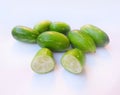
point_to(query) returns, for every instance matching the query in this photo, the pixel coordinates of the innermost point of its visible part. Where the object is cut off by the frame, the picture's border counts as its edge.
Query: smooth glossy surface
(24, 34)
(42, 26)
(55, 41)
(82, 41)
(61, 27)
(101, 74)
(100, 38)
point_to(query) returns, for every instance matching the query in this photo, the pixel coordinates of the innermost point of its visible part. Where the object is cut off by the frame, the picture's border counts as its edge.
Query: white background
(101, 74)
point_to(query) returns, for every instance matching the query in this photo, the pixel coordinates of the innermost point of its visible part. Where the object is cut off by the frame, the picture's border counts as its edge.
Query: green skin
(60, 27)
(42, 26)
(53, 40)
(99, 36)
(78, 54)
(24, 34)
(81, 41)
(43, 52)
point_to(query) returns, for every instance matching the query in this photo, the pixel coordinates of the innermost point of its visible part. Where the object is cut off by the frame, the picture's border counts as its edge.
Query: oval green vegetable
(42, 26)
(24, 34)
(60, 27)
(73, 60)
(53, 40)
(43, 61)
(81, 41)
(99, 36)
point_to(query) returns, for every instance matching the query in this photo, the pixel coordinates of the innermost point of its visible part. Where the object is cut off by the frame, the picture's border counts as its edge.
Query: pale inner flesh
(42, 64)
(71, 64)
